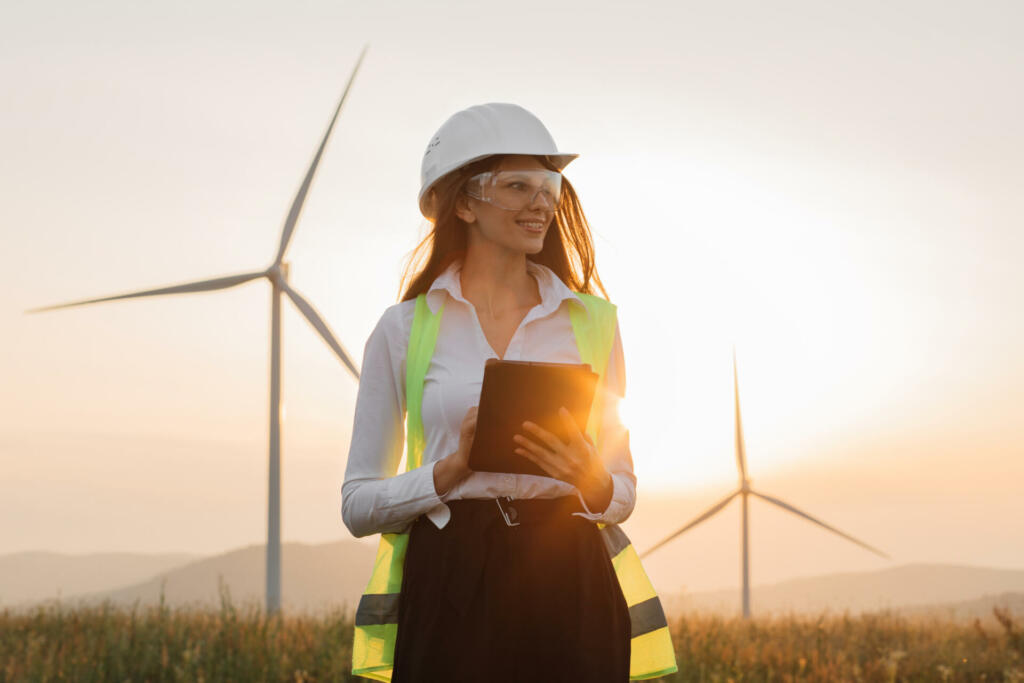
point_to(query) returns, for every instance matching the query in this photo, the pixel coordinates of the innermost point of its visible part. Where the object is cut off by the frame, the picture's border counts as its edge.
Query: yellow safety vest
(376, 623)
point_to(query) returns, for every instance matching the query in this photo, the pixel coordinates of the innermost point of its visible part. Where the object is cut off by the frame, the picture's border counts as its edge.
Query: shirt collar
(552, 290)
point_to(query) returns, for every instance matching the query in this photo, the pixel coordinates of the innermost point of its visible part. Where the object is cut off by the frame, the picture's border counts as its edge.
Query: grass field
(160, 644)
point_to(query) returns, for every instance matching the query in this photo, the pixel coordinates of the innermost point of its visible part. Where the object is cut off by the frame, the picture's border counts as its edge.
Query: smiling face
(521, 231)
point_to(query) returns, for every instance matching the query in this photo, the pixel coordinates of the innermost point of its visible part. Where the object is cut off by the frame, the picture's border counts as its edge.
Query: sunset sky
(832, 189)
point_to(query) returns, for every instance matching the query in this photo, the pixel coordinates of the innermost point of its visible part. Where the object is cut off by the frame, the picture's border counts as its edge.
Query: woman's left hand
(576, 462)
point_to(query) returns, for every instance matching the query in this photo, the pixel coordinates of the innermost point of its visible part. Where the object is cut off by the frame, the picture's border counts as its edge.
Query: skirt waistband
(520, 510)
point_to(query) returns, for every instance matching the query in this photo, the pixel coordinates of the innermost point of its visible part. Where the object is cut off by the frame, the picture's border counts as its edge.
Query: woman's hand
(453, 468)
(576, 462)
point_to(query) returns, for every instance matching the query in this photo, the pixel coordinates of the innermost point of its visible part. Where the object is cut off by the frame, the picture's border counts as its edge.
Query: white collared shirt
(374, 499)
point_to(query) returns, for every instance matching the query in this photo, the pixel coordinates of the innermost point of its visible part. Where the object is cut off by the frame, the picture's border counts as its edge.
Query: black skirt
(485, 601)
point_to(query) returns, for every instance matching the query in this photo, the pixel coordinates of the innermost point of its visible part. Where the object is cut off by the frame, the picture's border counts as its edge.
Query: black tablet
(516, 391)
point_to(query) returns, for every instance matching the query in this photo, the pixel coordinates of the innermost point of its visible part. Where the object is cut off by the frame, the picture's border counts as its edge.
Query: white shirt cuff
(416, 494)
(440, 513)
(618, 506)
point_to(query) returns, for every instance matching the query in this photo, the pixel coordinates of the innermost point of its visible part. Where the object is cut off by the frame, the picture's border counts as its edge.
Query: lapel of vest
(595, 335)
(422, 339)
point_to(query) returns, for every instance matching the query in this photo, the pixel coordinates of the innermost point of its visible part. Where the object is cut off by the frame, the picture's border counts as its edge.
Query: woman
(503, 576)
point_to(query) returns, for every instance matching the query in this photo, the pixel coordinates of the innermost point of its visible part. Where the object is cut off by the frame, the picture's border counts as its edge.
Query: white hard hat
(480, 131)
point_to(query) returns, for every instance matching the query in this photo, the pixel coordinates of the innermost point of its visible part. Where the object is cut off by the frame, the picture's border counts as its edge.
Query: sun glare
(772, 275)
(623, 410)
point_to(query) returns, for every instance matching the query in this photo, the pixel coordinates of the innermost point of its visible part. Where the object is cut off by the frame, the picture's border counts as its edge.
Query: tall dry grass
(54, 643)
(880, 646)
(160, 644)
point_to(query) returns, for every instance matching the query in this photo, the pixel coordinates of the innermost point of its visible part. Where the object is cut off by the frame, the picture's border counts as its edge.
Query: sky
(830, 189)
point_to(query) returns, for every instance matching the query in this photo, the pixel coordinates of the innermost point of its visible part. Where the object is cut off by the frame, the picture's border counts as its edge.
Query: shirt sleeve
(613, 444)
(373, 499)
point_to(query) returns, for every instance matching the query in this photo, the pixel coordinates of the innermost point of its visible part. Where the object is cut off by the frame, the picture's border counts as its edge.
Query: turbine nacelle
(278, 273)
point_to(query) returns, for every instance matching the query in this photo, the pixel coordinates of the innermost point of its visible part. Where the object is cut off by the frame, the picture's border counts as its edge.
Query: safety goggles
(516, 190)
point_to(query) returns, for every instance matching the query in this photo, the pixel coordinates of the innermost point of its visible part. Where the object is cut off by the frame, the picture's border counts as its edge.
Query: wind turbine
(277, 274)
(745, 491)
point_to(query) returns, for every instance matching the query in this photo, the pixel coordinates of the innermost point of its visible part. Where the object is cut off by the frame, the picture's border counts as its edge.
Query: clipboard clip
(510, 514)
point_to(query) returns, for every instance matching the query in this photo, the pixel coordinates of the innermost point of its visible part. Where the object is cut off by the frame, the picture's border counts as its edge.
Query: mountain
(323, 577)
(315, 578)
(966, 610)
(33, 576)
(904, 587)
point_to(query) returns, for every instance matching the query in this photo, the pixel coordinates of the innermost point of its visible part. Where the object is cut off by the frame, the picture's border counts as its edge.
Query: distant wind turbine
(745, 491)
(277, 274)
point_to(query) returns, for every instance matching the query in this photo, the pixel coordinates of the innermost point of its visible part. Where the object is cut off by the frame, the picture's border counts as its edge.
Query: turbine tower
(745, 491)
(277, 275)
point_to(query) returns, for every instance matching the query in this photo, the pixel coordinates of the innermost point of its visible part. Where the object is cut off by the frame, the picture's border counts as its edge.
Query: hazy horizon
(833, 190)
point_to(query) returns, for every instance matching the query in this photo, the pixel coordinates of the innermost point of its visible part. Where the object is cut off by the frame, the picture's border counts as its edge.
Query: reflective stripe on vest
(376, 624)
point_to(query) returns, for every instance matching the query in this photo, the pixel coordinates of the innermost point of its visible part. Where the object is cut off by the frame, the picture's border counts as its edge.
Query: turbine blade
(320, 326)
(741, 454)
(787, 506)
(201, 286)
(692, 523)
(300, 197)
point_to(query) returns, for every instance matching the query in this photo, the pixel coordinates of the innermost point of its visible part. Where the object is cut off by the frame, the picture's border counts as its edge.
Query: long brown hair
(568, 250)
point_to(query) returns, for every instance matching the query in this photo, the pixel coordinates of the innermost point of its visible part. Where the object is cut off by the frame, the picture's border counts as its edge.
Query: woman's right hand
(453, 468)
